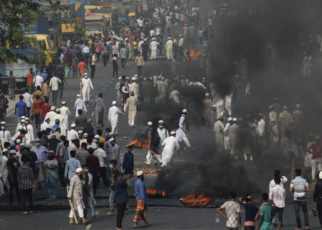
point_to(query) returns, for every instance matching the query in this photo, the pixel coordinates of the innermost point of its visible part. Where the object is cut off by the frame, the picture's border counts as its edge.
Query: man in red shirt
(45, 109)
(30, 83)
(316, 161)
(81, 68)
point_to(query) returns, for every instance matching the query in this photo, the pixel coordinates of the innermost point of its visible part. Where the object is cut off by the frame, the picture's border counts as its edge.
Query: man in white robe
(51, 115)
(30, 138)
(163, 134)
(79, 104)
(113, 117)
(131, 108)
(169, 48)
(118, 91)
(72, 134)
(181, 131)
(64, 111)
(227, 135)
(87, 86)
(4, 134)
(218, 129)
(220, 107)
(140, 46)
(134, 87)
(170, 144)
(233, 138)
(62, 125)
(154, 48)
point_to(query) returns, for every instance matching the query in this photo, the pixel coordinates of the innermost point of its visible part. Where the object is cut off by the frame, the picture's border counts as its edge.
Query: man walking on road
(299, 186)
(54, 84)
(140, 63)
(99, 108)
(113, 117)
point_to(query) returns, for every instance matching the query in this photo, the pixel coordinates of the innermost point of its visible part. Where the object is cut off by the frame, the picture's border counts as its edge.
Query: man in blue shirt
(128, 163)
(141, 199)
(53, 129)
(121, 198)
(22, 108)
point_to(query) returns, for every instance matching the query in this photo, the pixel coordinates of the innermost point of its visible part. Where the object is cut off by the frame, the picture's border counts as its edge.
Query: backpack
(105, 51)
(176, 122)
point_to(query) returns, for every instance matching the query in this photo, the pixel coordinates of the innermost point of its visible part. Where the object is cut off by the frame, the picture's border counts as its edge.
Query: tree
(16, 17)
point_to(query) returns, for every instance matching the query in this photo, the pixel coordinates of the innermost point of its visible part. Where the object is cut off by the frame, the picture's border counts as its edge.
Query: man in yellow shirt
(38, 92)
(135, 48)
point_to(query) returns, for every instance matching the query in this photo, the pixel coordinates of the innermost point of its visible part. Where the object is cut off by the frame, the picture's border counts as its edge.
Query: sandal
(138, 226)
(110, 213)
(148, 225)
(86, 222)
(24, 213)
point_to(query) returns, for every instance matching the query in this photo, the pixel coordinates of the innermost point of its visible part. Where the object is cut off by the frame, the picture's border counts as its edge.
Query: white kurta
(113, 117)
(3, 173)
(175, 96)
(218, 127)
(169, 48)
(87, 86)
(140, 46)
(30, 134)
(51, 115)
(220, 107)
(4, 137)
(44, 126)
(180, 135)
(135, 88)
(154, 49)
(61, 124)
(79, 104)
(72, 133)
(170, 144)
(64, 111)
(226, 137)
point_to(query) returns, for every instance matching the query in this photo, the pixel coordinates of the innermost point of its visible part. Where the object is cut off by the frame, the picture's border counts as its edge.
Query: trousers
(103, 175)
(16, 186)
(61, 175)
(315, 165)
(61, 89)
(80, 212)
(86, 203)
(51, 186)
(28, 193)
(93, 67)
(297, 205)
(55, 96)
(111, 199)
(120, 214)
(278, 210)
(131, 122)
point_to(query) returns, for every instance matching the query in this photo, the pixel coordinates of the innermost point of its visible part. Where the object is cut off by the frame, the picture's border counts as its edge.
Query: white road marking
(217, 220)
(88, 227)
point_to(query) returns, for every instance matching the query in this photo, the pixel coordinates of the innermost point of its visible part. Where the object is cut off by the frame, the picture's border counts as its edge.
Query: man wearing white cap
(113, 117)
(227, 135)
(62, 125)
(72, 133)
(298, 118)
(180, 45)
(134, 87)
(4, 134)
(119, 89)
(154, 48)
(51, 115)
(45, 124)
(170, 144)
(285, 119)
(131, 108)
(163, 134)
(64, 111)
(75, 194)
(30, 132)
(182, 129)
(87, 86)
(79, 104)
(207, 110)
(169, 48)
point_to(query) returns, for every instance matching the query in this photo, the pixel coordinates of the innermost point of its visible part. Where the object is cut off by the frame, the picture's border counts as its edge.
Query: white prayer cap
(22, 121)
(298, 106)
(162, 78)
(144, 78)
(161, 121)
(139, 173)
(150, 123)
(23, 117)
(78, 95)
(229, 119)
(3, 123)
(317, 137)
(85, 73)
(22, 144)
(47, 118)
(73, 125)
(273, 119)
(127, 78)
(5, 150)
(63, 103)
(85, 135)
(12, 151)
(58, 110)
(18, 141)
(270, 107)
(51, 151)
(184, 111)
(111, 139)
(235, 119)
(79, 170)
(320, 175)
(73, 138)
(28, 146)
(114, 103)
(135, 75)
(37, 140)
(80, 131)
(120, 78)
(96, 136)
(53, 108)
(285, 107)
(207, 94)
(19, 128)
(173, 132)
(26, 119)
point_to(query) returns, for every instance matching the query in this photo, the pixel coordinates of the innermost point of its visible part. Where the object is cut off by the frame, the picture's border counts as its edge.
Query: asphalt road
(166, 213)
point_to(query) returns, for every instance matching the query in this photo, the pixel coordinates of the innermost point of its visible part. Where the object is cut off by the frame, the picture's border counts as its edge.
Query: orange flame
(194, 199)
(195, 55)
(139, 143)
(153, 191)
